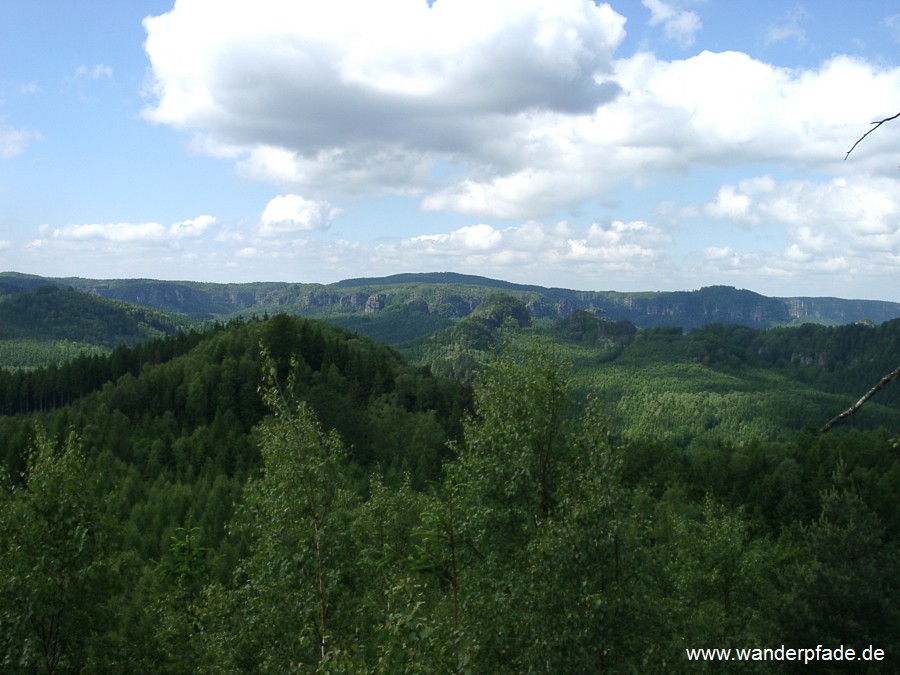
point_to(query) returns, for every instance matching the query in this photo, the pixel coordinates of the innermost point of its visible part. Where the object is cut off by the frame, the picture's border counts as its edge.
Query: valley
(397, 482)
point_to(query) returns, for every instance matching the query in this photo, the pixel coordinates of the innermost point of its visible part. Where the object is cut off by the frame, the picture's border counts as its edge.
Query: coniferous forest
(502, 495)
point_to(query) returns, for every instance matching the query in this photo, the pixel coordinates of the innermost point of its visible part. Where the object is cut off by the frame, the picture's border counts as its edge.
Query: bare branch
(869, 394)
(877, 124)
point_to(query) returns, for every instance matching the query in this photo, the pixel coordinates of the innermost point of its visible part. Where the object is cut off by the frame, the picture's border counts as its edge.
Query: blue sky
(636, 145)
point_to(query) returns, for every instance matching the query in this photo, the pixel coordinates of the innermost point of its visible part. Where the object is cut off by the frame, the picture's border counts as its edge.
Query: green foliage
(50, 325)
(35, 353)
(588, 599)
(714, 385)
(586, 329)
(56, 569)
(291, 584)
(720, 578)
(396, 325)
(498, 308)
(850, 577)
(514, 441)
(734, 385)
(540, 526)
(610, 497)
(408, 618)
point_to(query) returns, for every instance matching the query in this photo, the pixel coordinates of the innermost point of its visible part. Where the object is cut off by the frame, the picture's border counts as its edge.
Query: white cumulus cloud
(535, 252)
(113, 232)
(525, 98)
(842, 226)
(479, 237)
(128, 234)
(361, 96)
(191, 228)
(292, 213)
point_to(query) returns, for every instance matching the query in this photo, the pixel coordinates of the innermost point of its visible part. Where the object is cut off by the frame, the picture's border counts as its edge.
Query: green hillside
(735, 385)
(201, 381)
(49, 324)
(713, 385)
(408, 306)
(283, 494)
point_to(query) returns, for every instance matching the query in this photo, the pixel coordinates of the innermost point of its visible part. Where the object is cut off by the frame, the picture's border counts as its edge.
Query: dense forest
(43, 323)
(502, 495)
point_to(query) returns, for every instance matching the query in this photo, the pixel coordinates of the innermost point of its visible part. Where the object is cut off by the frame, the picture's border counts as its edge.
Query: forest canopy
(282, 494)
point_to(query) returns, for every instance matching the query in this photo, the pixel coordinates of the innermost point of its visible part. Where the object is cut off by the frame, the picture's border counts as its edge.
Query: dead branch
(869, 394)
(877, 124)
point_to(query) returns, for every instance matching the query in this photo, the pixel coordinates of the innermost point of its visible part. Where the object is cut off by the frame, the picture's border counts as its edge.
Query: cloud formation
(524, 98)
(14, 141)
(361, 97)
(98, 71)
(850, 226)
(289, 213)
(192, 228)
(516, 114)
(679, 25)
(788, 27)
(128, 233)
(892, 23)
(533, 251)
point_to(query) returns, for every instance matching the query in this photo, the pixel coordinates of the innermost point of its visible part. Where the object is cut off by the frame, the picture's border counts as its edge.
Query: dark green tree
(722, 589)
(845, 587)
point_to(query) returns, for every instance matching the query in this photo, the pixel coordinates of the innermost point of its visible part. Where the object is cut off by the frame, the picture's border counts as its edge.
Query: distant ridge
(439, 297)
(436, 278)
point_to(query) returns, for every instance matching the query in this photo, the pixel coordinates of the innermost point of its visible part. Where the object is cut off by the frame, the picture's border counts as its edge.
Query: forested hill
(205, 503)
(422, 303)
(717, 383)
(204, 387)
(44, 323)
